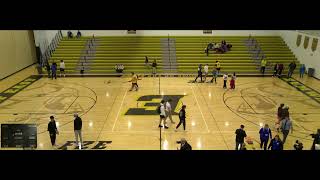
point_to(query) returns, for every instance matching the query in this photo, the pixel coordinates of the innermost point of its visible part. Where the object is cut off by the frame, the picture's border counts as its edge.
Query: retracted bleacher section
(131, 51)
(190, 53)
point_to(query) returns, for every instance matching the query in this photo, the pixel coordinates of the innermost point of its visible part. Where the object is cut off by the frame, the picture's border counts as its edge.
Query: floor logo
(17, 88)
(151, 102)
(308, 91)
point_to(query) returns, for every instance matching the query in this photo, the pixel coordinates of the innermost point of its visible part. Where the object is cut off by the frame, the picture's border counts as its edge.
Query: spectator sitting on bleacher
(70, 35)
(78, 34)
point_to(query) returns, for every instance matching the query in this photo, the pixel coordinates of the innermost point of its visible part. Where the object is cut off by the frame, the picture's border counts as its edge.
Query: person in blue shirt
(54, 70)
(276, 143)
(302, 70)
(265, 133)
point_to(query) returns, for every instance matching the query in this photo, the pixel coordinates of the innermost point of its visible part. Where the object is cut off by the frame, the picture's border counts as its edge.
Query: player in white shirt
(62, 67)
(162, 115)
(225, 78)
(206, 70)
(169, 110)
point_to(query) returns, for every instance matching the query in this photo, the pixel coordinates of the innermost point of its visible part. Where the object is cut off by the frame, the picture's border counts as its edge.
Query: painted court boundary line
(205, 122)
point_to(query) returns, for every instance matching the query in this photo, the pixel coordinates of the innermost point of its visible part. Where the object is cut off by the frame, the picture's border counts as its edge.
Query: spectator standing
(78, 34)
(48, 70)
(275, 70)
(276, 143)
(199, 73)
(62, 68)
(77, 129)
(263, 66)
(233, 81)
(265, 134)
(279, 116)
(281, 67)
(154, 67)
(292, 67)
(302, 70)
(286, 126)
(54, 70)
(218, 67)
(146, 61)
(206, 70)
(53, 131)
(225, 79)
(214, 76)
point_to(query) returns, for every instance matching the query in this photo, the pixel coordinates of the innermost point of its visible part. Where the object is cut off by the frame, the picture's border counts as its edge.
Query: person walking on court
(276, 143)
(182, 117)
(214, 75)
(62, 68)
(77, 129)
(134, 81)
(302, 70)
(199, 73)
(154, 67)
(285, 112)
(265, 133)
(240, 135)
(263, 66)
(292, 67)
(233, 81)
(169, 110)
(279, 116)
(218, 68)
(225, 79)
(53, 131)
(286, 126)
(54, 70)
(206, 70)
(162, 115)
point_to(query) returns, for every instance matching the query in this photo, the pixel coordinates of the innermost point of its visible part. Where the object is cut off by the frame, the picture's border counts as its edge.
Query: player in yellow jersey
(134, 81)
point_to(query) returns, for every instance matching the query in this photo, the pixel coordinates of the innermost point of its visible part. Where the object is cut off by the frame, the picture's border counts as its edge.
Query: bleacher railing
(44, 58)
(255, 50)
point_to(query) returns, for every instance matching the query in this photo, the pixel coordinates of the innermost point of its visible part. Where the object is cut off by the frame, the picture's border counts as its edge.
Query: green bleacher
(190, 53)
(131, 52)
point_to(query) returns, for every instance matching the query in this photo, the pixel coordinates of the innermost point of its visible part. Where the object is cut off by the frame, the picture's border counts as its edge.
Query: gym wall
(17, 51)
(306, 53)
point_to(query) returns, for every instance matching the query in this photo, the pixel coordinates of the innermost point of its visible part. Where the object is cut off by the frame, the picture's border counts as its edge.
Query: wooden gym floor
(213, 114)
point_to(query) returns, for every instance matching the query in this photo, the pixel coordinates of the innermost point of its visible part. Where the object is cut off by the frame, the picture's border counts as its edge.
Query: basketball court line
(120, 109)
(205, 122)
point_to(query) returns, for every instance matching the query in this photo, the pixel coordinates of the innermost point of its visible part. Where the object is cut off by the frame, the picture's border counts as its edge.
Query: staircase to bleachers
(189, 52)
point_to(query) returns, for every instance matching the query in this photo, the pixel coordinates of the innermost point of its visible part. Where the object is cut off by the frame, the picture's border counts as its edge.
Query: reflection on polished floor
(213, 114)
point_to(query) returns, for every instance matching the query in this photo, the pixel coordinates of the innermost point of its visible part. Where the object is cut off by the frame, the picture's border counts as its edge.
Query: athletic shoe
(166, 127)
(160, 126)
